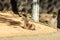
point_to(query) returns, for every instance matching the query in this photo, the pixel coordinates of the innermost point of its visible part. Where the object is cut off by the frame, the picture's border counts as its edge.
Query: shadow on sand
(9, 21)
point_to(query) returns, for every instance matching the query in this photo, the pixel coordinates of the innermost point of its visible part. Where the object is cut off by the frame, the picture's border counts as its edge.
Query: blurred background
(48, 9)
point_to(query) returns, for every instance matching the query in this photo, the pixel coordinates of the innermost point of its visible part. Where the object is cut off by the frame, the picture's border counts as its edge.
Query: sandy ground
(51, 36)
(15, 32)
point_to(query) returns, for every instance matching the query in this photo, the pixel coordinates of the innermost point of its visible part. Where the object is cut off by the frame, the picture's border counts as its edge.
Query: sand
(7, 30)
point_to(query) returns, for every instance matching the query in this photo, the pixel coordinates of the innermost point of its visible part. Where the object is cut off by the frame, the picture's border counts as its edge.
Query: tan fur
(28, 26)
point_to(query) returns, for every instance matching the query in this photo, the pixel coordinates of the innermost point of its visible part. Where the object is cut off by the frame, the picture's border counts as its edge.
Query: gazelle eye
(2, 0)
